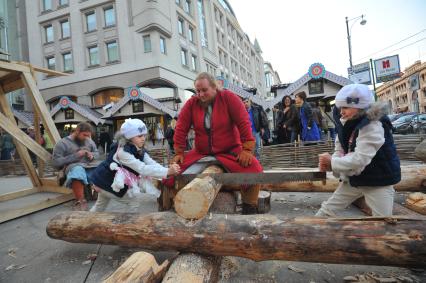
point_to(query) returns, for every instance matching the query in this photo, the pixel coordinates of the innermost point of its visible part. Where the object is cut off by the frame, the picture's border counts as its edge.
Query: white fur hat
(354, 96)
(132, 128)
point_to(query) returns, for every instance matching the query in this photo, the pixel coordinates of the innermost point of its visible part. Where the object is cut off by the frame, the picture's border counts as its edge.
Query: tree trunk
(195, 199)
(196, 267)
(412, 180)
(395, 241)
(139, 267)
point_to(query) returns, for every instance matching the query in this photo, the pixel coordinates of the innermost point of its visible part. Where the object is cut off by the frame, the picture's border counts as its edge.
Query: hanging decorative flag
(316, 71)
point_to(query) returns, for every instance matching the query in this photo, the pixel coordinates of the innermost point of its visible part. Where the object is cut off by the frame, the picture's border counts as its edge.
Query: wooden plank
(48, 71)
(13, 66)
(15, 213)
(21, 193)
(55, 189)
(139, 267)
(22, 150)
(49, 125)
(23, 138)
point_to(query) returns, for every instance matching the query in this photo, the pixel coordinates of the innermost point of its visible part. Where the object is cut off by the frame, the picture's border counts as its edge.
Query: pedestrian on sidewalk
(73, 155)
(129, 153)
(365, 157)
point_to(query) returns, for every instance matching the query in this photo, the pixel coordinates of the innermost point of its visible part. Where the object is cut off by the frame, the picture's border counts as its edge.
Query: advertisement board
(387, 68)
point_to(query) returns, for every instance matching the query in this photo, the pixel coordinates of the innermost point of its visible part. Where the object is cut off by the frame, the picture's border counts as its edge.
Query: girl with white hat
(365, 157)
(129, 153)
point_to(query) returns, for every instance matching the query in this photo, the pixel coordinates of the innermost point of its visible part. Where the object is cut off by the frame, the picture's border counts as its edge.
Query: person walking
(309, 129)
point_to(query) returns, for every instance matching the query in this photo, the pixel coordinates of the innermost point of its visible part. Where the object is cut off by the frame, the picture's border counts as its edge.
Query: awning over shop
(83, 110)
(135, 94)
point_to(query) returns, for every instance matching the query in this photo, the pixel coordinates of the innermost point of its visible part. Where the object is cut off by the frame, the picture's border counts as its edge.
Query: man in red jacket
(223, 130)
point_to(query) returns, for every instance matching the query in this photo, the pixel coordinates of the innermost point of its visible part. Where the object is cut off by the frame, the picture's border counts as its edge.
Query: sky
(295, 34)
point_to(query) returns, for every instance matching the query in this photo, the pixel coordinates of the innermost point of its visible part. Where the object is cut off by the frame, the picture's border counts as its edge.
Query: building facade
(407, 93)
(271, 78)
(108, 47)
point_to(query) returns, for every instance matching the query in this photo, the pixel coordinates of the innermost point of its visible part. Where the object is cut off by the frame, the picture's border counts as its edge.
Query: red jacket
(230, 127)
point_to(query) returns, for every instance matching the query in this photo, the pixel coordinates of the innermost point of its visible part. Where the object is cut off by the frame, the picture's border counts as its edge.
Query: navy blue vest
(384, 168)
(103, 176)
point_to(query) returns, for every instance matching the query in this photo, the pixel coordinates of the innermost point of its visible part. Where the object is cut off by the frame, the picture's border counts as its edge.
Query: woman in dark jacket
(309, 129)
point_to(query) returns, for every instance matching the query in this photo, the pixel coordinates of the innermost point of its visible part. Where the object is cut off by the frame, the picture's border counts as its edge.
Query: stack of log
(203, 236)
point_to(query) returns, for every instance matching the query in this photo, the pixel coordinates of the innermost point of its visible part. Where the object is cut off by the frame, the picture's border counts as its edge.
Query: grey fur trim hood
(376, 111)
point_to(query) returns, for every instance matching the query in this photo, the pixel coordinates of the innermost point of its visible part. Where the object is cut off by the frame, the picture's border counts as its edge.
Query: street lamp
(363, 22)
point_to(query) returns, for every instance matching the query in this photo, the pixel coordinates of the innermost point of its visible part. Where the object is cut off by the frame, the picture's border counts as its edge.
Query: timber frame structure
(14, 76)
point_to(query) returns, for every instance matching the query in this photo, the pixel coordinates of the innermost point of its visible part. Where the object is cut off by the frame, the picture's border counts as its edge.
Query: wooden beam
(49, 125)
(13, 66)
(24, 139)
(55, 189)
(21, 193)
(393, 241)
(48, 71)
(15, 213)
(22, 150)
(11, 82)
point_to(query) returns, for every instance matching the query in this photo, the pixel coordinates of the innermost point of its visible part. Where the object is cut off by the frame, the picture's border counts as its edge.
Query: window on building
(203, 26)
(137, 106)
(93, 56)
(163, 45)
(69, 114)
(112, 51)
(51, 63)
(63, 2)
(187, 6)
(47, 5)
(90, 21)
(194, 62)
(48, 30)
(109, 16)
(183, 57)
(180, 26)
(191, 34)
(147, 43)
(106, 96)
(316, 86)
(67, 58)
(65, 29)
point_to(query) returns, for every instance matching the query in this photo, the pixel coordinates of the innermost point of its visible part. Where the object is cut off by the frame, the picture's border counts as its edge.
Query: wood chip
(295, 269)
(87, 262)
(14, 267)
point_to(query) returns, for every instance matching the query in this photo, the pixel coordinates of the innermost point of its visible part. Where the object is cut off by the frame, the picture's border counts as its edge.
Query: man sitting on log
(365, 157)
(223, 130)
(73, 155)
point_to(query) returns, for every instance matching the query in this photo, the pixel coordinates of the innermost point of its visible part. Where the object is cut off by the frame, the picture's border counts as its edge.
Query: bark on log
(195, 199)
(394, 241)
(139, 267)
(411, 181)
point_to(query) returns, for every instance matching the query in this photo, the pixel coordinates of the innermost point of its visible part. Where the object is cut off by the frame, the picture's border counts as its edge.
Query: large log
(394, 241)
(195, 199)
(413, 178)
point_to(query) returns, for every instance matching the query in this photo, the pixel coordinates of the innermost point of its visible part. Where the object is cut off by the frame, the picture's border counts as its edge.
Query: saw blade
(258, 178)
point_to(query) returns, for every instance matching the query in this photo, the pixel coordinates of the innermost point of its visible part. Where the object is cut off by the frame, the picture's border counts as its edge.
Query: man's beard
(79, 142)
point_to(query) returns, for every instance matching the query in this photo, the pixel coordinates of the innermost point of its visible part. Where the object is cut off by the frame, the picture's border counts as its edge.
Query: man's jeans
(258, 144)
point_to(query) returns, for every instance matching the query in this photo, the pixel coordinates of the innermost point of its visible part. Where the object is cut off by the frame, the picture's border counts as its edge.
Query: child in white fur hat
(365, 157)
(128, 153)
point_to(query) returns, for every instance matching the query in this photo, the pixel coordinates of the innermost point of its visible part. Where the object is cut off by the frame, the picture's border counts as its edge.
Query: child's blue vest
(384, 168)
(103, 176)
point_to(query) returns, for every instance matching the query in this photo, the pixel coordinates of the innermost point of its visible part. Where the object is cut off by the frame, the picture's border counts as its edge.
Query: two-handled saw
(258, 178)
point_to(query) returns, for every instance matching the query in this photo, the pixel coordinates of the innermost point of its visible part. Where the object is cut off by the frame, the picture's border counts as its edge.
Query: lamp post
(363, 22)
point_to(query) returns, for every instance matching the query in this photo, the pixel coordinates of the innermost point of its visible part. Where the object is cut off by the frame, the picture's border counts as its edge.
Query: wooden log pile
(393, 241)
